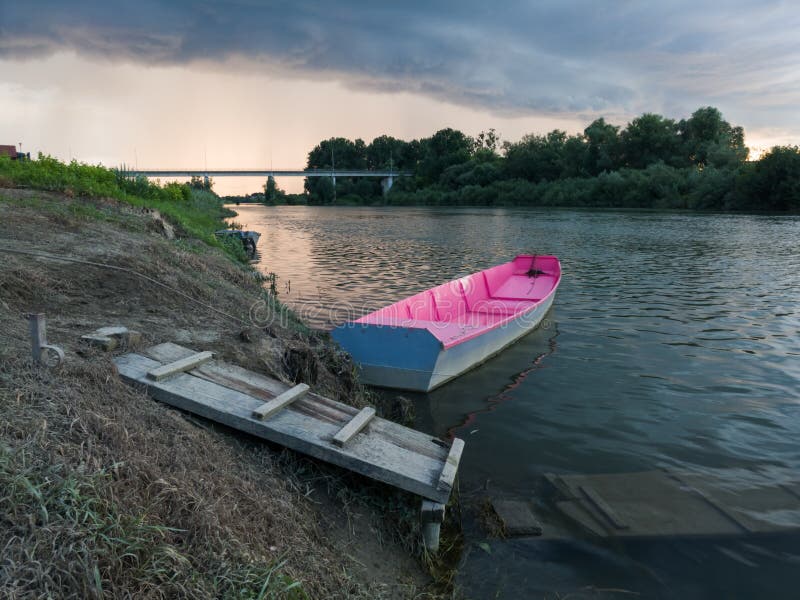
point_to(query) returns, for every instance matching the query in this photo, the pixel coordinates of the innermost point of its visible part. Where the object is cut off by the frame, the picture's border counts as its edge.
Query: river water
(674, 342)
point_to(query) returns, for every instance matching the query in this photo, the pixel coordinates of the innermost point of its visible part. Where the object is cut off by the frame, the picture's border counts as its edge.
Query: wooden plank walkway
(303, 421)
(665, 503)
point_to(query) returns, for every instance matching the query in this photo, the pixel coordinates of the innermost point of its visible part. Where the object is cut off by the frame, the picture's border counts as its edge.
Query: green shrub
(197, 212)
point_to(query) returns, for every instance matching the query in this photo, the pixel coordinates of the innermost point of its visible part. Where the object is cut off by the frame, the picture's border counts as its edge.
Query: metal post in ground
(432, 516)
(42, 352)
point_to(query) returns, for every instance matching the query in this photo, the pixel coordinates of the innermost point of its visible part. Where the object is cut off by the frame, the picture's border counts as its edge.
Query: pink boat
(423, 341)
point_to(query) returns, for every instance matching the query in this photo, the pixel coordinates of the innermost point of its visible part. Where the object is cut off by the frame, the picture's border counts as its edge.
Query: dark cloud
(552, 56)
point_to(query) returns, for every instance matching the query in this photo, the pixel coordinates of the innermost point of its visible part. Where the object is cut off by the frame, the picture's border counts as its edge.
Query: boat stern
(391, 356)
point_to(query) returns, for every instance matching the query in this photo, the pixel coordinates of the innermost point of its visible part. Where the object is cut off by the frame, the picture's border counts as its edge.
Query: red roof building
(8, 151)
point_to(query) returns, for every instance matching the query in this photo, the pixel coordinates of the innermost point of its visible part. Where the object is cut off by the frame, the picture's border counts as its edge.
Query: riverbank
(106, 492)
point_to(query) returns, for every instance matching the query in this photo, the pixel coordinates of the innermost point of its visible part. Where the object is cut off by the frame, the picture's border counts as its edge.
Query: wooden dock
(670, 504)
(297, 418)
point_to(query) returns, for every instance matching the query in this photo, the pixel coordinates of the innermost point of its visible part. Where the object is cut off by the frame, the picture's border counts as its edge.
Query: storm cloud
(553, 57)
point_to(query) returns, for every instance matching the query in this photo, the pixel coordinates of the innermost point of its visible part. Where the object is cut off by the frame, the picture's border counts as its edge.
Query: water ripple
(678, 335)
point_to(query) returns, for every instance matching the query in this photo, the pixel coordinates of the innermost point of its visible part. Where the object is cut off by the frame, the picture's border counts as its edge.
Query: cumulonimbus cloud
(516, 57)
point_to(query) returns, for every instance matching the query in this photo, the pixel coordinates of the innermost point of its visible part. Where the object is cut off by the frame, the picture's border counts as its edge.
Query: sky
(249, 84)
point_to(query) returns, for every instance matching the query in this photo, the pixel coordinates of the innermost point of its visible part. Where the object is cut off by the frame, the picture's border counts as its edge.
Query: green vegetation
(271, 196)
(193, 207)
(654, 162)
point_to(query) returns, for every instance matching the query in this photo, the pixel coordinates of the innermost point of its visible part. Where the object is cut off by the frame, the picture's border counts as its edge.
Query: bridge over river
(386, 175)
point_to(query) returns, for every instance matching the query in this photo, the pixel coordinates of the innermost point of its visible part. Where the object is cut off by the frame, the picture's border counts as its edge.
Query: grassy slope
(106, 493)
(197, 213)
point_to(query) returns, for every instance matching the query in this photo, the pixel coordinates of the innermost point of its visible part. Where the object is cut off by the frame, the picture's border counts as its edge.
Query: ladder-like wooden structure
(295, 417)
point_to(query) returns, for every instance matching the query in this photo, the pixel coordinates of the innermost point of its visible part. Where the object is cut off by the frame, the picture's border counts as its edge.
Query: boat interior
(461, 309)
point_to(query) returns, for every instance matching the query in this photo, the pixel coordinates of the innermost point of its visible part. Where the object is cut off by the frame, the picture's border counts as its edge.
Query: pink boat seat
(421, 307)
(501, 307)
(522, 287)
(447, 332)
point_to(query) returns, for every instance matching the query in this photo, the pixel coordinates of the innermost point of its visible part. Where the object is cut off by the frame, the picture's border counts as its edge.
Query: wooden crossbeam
(179, 366)
(448, 476)
(353, 426)
(600, 505)
(279, 402)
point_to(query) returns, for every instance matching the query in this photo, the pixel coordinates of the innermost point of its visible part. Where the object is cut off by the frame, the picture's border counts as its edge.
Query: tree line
(653, 162)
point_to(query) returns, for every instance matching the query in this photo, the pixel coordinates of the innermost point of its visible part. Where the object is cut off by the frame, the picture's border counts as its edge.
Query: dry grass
(106, 493)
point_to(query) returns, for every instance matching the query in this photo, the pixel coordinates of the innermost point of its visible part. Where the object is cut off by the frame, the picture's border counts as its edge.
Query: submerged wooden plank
(356, 424)
(757, 503)
(448, 475)
(659, 503)
(603, 507)
(652, 504)
(709, 499)
(375, 455)
(179, 366)
(517, 517)
(268, 409)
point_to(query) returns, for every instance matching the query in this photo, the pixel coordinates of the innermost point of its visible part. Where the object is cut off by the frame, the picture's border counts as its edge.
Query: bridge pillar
(387, 183)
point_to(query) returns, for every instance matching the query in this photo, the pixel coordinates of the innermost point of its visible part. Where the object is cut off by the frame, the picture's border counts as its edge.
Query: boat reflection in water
(455, 405)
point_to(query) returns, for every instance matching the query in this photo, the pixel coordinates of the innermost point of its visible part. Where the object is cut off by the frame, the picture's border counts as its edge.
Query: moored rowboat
(425, 340)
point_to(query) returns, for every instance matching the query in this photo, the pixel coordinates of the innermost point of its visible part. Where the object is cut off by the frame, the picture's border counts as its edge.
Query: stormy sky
(240, 83)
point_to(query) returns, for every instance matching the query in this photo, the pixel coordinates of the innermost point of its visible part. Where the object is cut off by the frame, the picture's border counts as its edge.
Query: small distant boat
(249, 238)
(425, 340)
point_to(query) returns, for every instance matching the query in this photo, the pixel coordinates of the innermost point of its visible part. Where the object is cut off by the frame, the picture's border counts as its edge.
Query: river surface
(674, 342)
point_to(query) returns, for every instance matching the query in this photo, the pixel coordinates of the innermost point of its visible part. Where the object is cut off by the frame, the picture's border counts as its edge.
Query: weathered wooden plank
(179, 366)
(448, 475)
(356, 424)
(374, 456)
(310, 404)
(268, 409)
(603, 507)
(168, 352)
(255, 384)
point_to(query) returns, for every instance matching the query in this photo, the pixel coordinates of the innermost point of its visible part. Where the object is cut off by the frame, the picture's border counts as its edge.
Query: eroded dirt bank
(106, 493)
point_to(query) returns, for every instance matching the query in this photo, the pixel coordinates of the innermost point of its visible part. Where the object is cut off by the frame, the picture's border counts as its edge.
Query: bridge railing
(264, 173)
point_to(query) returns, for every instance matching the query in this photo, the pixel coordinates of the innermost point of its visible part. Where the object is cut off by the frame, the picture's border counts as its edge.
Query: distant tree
(340, 153)
(322, 191)
(537, 157)
(385, 151)
(201, 183)
(487, 140)
(443, 149)
(649, 139)
(272, 193)
(411, 154)
(708, 139)
(772, 183)
(573, 157)
(602, 147)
